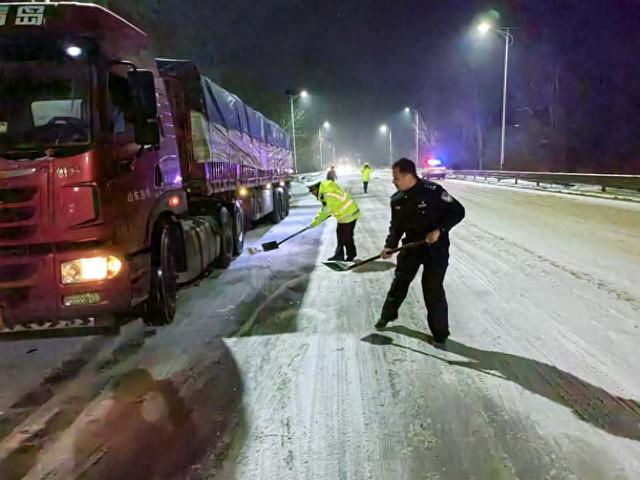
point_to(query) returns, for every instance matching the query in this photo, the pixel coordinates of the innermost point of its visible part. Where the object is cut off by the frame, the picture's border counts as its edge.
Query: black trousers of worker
(366, 185)
(435, 268)
(344, 233)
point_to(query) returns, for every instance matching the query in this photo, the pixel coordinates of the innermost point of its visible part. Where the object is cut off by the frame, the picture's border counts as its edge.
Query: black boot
(440, 343)
(336, 258)
(382, 322)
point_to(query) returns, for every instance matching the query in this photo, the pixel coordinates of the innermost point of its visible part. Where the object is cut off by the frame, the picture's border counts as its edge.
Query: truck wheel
(287, 201)
(226, 233)
(276, 214)
(238, 229)
(161, 305)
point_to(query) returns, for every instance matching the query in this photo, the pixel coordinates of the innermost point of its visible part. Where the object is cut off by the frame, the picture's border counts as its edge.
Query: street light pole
(417, 131)
(320, 147)
(508, 40)
(292, 97)
(385, 129)
(505, 32)
(417, 137)
(293, 136)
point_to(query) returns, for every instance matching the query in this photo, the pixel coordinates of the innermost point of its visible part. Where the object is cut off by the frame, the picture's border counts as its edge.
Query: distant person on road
(335, 201)
(366, 176)
(420, 210)
(332, 175)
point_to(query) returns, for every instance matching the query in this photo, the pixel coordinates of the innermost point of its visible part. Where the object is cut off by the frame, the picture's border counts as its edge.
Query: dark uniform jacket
(423, 208)
(332, 175)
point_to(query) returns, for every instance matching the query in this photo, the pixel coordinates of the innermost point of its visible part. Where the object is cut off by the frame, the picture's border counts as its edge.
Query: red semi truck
(122, 176)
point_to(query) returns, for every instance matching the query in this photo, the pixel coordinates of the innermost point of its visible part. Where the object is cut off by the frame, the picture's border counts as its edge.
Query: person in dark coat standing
(331, 174)
(420, 210)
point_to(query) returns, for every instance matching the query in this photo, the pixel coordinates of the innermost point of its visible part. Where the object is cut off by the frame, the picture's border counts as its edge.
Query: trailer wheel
(160, 308)
(238, 229)
(226, 232)
(276, 214)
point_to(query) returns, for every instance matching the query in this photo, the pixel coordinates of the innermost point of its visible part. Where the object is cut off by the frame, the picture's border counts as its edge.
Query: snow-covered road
(273, 369)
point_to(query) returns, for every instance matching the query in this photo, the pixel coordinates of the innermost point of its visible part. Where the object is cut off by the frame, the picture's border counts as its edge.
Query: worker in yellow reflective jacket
(366, 176)
(338, 203)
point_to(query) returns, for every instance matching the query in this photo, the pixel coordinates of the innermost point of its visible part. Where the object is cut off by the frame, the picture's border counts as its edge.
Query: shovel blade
(337, 266)
(269, 246)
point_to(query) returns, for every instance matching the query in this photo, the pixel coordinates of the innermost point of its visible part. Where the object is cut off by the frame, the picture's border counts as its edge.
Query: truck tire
(226, 239)
(276, 214)
(287, 201)
(160, 308)
(238, 229)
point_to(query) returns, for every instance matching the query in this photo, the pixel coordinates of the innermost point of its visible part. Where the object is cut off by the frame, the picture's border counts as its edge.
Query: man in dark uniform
(420, 210)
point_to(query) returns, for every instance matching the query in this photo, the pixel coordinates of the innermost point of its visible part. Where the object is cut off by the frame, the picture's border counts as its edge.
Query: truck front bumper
(32, 292)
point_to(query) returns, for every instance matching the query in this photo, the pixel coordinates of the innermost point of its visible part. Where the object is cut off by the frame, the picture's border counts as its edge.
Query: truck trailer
(122, 176)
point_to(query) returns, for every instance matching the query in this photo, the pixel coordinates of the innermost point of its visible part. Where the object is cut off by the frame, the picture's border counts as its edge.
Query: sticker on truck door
(4, 11)
(25, 15)
(4, 126)
(33, 16)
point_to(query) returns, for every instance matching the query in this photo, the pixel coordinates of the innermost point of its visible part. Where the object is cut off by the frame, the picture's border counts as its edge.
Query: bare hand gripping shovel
(274, 245)
(346, 266)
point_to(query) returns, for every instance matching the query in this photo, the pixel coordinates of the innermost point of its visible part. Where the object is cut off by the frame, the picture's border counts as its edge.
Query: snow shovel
(274, 245)
(346, 266)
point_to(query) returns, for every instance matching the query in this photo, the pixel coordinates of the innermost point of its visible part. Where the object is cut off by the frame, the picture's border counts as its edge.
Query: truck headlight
(90, 269)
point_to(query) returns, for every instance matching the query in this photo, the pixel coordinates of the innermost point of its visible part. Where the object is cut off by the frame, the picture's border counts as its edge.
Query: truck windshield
(43, 104)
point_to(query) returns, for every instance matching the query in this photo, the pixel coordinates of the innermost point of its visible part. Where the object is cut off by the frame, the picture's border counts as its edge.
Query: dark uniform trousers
(345, 233)
(435, 268)
(365, 185)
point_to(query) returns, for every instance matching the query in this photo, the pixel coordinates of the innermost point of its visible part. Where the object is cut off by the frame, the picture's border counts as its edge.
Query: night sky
(574, 72)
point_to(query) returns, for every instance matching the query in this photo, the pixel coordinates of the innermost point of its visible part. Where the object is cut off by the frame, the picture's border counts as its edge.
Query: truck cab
(89, 167)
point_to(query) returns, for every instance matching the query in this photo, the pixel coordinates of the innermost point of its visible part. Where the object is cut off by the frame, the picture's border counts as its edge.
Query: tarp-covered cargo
(223, 139)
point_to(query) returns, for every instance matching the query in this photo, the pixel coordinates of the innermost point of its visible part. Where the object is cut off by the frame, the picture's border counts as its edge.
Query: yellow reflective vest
(366, 174)
(336, 202)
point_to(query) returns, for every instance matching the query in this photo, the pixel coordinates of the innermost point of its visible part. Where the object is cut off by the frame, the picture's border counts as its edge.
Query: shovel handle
(294, 235)
(395, 250)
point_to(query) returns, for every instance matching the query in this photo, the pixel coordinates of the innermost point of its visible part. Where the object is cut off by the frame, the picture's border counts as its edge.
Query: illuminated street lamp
(384, 129)
(292, 97)
(484, 28)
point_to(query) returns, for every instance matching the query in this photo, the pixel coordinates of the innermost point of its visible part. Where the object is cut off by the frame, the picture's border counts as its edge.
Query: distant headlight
(90, 269)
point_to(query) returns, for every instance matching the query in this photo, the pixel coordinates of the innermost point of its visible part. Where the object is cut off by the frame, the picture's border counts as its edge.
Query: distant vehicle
(434, 169)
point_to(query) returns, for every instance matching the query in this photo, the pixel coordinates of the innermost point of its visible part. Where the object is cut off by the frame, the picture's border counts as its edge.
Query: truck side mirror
(145, 106)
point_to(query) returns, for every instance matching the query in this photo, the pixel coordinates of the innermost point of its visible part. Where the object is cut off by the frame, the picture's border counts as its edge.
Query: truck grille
(17, 273)
(20, 214)
(17, 233)
(16, 195)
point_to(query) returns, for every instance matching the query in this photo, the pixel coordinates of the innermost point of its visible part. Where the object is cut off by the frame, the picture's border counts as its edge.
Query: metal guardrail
(604, 181)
